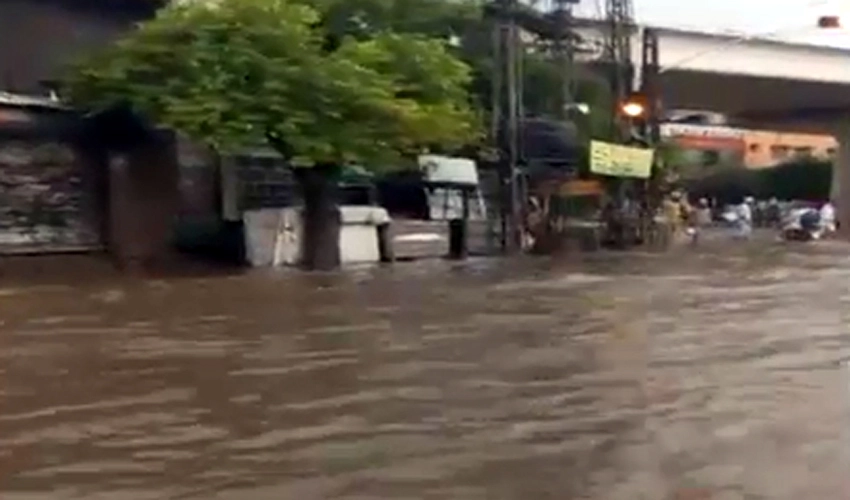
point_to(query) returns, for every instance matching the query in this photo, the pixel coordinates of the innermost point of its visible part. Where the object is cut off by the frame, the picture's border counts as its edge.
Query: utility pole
(619, 15)
(507, 95)
(565, 53)
(651, 126)
(506, 118)
(649, 86)
(618, 54)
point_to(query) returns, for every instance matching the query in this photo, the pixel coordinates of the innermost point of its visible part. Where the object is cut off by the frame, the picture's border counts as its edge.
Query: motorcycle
(803, 224)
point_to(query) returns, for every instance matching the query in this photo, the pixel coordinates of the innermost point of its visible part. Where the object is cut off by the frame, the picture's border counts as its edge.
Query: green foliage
(679, 164)
(596, 93)
(728, 184)
(672, 156)
(324, 80)
(798, 180)
(433, 18)
(464, 22)
(238, 73)
(543, 84)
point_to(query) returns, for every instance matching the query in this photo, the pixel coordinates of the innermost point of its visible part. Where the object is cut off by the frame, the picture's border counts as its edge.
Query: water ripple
(694, 376)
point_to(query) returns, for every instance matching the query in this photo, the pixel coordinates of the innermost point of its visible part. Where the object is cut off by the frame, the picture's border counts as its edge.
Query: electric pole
(650, 86)
(565, 54)
(651, 129)
(505, 127)
(618, 55)
(619, 15)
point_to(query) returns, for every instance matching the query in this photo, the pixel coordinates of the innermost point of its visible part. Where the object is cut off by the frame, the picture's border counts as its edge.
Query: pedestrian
(704, 217)
(693, 226)
(774, 213)
(673, 213)
(744, 219)
(827, 218)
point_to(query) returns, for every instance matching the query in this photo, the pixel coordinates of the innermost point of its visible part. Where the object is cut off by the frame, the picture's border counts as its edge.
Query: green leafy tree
(542, 89)
(444, 19)
(242, 73)
(466, 24)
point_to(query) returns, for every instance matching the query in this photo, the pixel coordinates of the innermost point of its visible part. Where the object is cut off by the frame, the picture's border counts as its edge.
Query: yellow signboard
(620, 161)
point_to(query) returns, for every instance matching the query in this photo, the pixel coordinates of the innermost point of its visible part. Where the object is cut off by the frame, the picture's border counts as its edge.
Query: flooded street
(686, 376)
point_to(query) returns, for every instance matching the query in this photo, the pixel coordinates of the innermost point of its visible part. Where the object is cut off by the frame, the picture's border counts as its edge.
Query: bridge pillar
(840, 189)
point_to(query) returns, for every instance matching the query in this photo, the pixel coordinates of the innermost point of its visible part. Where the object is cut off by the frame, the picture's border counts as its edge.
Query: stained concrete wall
(41, 37)
(767, 148)
(144, 197)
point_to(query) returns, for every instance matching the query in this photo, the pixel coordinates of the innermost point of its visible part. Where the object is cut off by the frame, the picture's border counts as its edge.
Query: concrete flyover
(751, 80)
(757, 83)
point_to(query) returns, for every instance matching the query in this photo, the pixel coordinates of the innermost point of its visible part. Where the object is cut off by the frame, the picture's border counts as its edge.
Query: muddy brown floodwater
(693, 375)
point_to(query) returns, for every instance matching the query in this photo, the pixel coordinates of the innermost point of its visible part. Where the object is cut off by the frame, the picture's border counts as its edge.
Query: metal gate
(47, 198)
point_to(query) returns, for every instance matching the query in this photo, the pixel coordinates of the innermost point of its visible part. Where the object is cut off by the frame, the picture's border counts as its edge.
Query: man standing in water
(827, 218)
(699, 218)
(672, 209)
(744, 220)
(773, 217)
(704, 217)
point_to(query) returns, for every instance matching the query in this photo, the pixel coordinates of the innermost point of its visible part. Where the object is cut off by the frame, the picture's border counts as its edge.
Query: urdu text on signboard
(620, 161)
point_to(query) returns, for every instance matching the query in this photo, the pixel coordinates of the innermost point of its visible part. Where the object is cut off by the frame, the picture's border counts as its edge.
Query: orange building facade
(708, 145)
(766, 148)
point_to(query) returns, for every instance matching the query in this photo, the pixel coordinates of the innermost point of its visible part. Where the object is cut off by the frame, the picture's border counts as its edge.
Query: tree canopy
(240, 73)
(434, 18)
(324, 80)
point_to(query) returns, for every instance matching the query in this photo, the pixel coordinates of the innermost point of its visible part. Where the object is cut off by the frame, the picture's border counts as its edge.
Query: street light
(634, 106)
(581, 107)
(633, 109)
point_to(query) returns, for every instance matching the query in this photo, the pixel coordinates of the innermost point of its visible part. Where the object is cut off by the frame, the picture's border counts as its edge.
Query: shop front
(50, 185)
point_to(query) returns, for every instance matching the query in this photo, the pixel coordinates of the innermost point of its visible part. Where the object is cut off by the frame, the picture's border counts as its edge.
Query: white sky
(793, 20)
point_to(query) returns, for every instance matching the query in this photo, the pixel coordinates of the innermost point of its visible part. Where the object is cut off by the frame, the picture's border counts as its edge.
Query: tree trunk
(322, 222)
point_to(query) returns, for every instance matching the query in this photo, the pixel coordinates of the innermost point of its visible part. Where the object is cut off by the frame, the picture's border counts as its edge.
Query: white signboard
(439, 169)
(447, 204)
